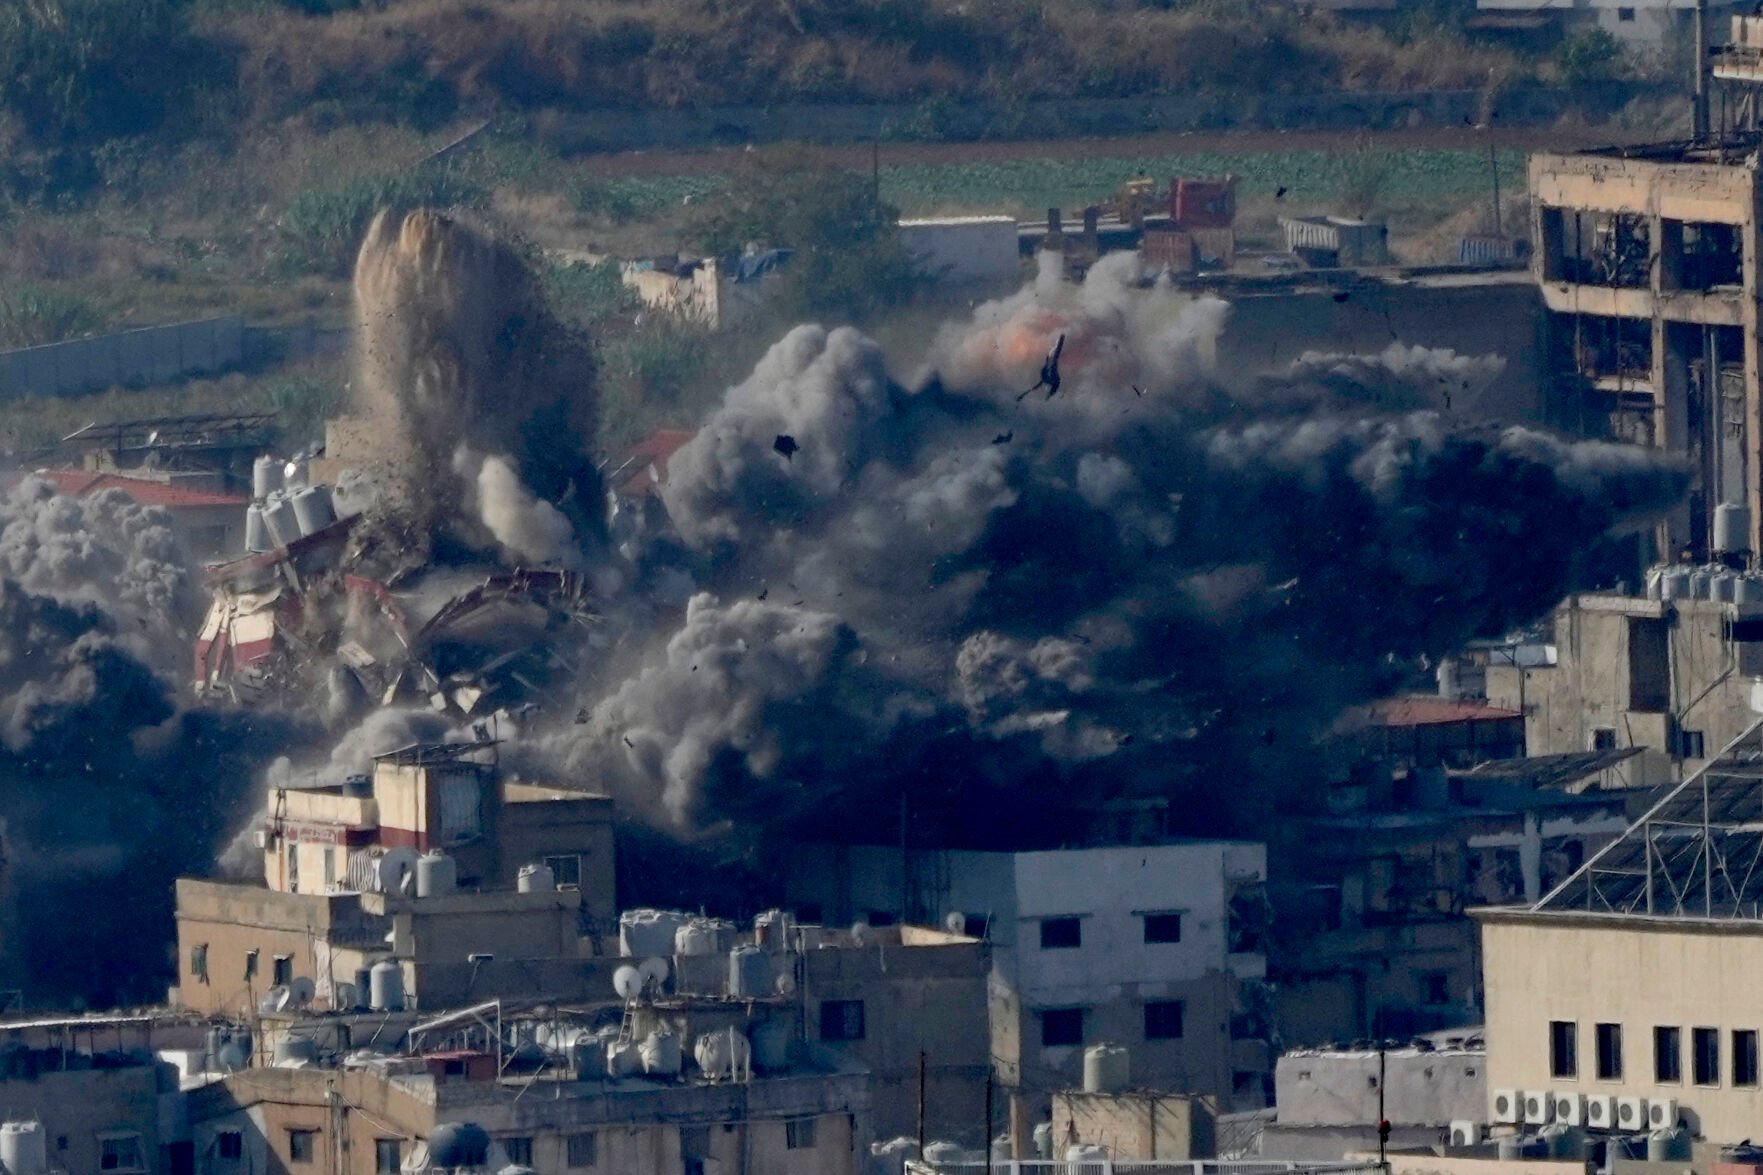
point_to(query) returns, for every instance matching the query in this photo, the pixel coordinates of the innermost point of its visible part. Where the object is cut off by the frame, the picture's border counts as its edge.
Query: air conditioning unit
(1662, 1113)
(1539, 1107)
(1465, 1132)
(1570, 1109)
(1631, 1113)
(1600, 1111)
(1507, 1106)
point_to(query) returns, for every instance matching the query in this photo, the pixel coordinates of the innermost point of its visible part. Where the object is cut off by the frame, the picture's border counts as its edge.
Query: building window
(1161, 928)
(1436, 988)
(1625, 15)
(120, 1152)
(1163, 1020)
(1061, 1027)
(566, 869)
(250, 965)
(1061, 934)
(841, 1019)
(1609, 1048)
(976, 925)
(229, 1145)
(1668, 1055)
(519, 1150)
(302, 1145)
(583, 1150)
(1604, 738)
(1744, 1056)
(880, 918)
(1563, 1048)
(387, 1155)
(330, 866)
(1691, 744)
(283, 972)
(199, 961)
(799, 1134)
(1705, 1055)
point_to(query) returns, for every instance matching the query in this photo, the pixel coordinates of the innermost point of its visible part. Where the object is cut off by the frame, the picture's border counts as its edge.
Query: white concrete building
(1155, 947)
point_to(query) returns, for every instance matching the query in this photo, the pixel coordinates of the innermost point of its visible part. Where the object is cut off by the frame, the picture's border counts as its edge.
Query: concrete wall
(154, 354)
(1137, 1125)
(1419, 1088)
(1638, 972)
(78, 1108)
(1588, 688)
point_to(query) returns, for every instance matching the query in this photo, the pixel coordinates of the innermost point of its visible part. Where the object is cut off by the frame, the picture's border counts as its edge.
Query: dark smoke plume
(1155, 582)
(108, 790)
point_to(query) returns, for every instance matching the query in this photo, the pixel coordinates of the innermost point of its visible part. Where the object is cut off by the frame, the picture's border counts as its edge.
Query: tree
(848, 259)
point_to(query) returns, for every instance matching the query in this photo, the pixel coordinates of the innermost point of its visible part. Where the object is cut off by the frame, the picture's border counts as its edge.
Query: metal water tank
(1107, 1069)
(536, 879)
(386, 987)
(749, 973)
(295, 1049)
(256, 530)
(437, 875)
(1732, 528)
(266, 477)
(278, 512)
(772, 1045)
(312, 509)
(661, 1054)
(24, 1148)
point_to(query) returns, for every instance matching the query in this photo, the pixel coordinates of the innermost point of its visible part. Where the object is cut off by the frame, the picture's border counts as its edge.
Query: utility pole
(1383, 1123)
(1494, 171)
(921, 1067)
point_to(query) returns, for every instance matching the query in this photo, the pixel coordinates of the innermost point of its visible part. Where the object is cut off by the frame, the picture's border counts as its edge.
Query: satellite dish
(653, 971)
(345, 999)
(859, 933)
(627, 981)
(301, 991)
(274, 1000)
(786, 984)
(955, 923)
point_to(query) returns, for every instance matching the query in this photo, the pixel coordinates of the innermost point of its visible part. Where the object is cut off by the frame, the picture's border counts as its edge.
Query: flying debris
(786, 445)
(1049, 372)
(1004, 438)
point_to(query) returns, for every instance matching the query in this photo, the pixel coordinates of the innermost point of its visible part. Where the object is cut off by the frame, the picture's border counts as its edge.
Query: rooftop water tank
(1724, 587)
(1107, 1069)
(771, 930)
(661, 1055)
(295, 1049)
(623, 1060)
(1732, 528)
(458, 1144)
(278, 512)
(1561, 1141)
(24, 1148)
(1674, 584)
(386, 987)
(1668, 1146)
(1043, 1138)
(312, 509)
(436, 875)
(644, 933)
(294, 473)
(1700, 579)
(536, 879)
(749, 973)
(939, 1153)
(696, 938)
(1511, 1148)
(1748, 590)
(256, 530)
(1655, 581)
(724, 1054)
(771, 1045)
(266, 477)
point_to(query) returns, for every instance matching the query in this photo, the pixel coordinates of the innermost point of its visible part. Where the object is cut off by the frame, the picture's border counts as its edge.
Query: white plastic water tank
(386, 987)
(1724, 586)
(256, 530)
(1700, 579)
(696, 938)
(723, 1054)
(294, 473)
(661, 1054)
(1107, 1069)
(1043, 1137)
(936, 1154)
(266, 477)
(312, 509)
(623, 1060)
(24, 1148)
(437, 875)
(1087, 1152)
(1732, 528)
(1748, 590)
(749, 973)
(278, 512)
(536, 879)
(645, 933)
